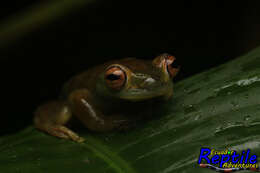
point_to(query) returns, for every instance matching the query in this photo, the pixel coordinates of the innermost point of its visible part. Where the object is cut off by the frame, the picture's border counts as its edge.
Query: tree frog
(109, 96)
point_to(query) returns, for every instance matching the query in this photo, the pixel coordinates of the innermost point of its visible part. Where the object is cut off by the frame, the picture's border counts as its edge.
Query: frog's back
(88, 78)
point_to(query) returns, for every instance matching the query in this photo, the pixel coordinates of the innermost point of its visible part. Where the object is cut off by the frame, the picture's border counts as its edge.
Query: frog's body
(109, 96)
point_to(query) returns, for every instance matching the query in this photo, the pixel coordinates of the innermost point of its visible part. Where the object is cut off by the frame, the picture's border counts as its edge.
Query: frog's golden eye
(115, 77)
(172, 65)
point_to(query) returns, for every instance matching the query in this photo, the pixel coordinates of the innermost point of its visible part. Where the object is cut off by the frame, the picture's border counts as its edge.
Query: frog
(108, 97)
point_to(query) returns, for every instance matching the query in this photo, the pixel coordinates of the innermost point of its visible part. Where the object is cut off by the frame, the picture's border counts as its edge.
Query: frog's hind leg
(52, 117)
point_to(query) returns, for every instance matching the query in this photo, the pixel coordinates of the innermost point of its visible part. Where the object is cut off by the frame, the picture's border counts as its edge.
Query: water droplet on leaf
(189, 109)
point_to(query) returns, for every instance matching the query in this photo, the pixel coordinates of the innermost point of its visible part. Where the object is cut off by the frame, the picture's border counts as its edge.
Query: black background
(200, 34)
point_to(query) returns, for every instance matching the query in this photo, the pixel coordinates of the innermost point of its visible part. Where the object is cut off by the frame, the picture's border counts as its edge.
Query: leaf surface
(219, 109)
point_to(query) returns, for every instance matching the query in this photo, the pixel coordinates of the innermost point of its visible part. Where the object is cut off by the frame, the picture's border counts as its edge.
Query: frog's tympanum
(109, 96)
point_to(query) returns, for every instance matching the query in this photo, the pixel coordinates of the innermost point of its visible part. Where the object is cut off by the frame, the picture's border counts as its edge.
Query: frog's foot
(65, 133)
(52, 117)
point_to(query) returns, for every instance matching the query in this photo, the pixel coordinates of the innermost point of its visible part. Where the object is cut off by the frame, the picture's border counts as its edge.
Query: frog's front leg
(52, 117)
(81, 102)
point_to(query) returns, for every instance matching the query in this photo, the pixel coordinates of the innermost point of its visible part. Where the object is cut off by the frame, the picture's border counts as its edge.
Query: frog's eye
(115, 77)
(172, 65)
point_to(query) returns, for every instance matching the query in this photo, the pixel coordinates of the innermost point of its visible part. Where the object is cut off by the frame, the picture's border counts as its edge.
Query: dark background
(200, 34)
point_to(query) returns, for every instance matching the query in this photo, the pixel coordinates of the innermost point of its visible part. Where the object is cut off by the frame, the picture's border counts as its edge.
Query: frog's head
(136, 80)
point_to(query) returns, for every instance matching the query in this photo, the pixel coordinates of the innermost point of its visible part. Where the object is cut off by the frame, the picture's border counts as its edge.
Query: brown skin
(109, 96)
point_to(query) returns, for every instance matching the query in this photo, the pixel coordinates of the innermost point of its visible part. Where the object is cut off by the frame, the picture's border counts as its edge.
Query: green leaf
(219, 109)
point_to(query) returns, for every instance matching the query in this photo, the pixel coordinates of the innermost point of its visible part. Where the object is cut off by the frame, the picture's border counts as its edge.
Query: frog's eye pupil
(175, 64)
(112, 77)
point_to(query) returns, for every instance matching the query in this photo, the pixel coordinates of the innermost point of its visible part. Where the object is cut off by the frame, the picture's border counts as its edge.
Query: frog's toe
(65, 133)
(80, 140)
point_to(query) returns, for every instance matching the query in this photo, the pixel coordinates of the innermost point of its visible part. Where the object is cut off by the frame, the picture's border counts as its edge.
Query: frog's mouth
(145, 94)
